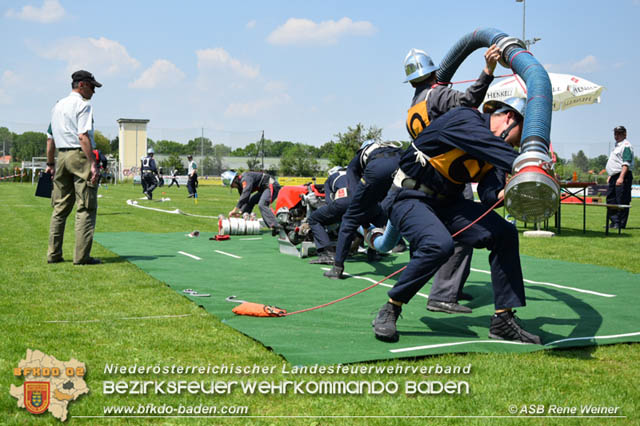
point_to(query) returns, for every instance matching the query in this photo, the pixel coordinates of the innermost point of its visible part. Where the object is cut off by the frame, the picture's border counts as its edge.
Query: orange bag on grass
(258, 310)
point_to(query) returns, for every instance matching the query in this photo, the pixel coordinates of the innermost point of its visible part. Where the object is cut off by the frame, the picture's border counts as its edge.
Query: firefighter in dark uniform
(430, 101)
(370, 174)
(255, 188)
(337, 199)
(427, 206)
(149, 173)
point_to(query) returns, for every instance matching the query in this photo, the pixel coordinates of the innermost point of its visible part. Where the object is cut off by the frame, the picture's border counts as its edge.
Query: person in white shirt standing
(192, 182)
(619, 168)
(75, 171)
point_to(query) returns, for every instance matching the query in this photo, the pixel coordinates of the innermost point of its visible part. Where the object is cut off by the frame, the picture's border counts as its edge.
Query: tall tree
(350, 141)
(299, 161)
(172, 162)
(102, 142)
(580, 161)
(28, 145)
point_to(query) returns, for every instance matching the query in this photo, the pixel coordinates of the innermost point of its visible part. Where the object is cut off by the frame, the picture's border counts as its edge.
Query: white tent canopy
(568, 90)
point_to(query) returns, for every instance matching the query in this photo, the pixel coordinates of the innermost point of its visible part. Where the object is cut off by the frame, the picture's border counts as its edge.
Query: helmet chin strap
(506, 131)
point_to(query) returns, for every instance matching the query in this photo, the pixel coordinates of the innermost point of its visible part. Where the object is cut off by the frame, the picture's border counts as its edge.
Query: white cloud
(51, 11)
(304, 31)
(219, 58)
(99, 56)
(587, 64)
(161, 74)
(251, 24)
(274, 86)
(252, 108)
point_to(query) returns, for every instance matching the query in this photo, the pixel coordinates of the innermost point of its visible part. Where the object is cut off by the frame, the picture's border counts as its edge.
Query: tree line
(296, 158)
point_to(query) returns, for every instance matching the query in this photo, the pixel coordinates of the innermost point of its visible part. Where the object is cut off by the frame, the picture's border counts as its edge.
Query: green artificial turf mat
(568, 304)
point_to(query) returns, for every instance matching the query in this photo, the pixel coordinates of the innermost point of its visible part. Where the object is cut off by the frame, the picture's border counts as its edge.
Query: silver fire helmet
(227, 177)
(417, 64)
(150, 151)
(515, 104)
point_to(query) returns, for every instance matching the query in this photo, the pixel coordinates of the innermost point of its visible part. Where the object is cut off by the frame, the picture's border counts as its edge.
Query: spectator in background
(619, 168)
(75, 173)
(192, 182)
(174, 178)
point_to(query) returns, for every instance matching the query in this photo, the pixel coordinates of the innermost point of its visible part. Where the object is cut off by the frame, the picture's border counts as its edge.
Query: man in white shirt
(192, 182)
(75, 172)
(619, 168)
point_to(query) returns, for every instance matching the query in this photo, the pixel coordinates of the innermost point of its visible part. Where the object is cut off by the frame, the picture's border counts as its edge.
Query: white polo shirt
(70, 117)
(622, 155)
(192, 167)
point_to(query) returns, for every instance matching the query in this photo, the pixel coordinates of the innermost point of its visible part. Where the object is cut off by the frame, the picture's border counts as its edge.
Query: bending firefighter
(427, 206)
(254, 188)
(337, 199)
(149, 174)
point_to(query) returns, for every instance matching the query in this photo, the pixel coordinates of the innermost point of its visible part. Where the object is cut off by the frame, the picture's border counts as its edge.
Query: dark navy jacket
(459, 148)
(251, 182)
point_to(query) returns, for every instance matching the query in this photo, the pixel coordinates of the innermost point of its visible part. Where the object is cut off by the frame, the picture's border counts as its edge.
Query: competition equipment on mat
(247, 225)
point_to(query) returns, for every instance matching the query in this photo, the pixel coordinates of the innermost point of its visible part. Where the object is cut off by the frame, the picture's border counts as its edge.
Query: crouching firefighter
(370, 174)
(254, 188)
(427, 206)
(337, 198)
(149, 173)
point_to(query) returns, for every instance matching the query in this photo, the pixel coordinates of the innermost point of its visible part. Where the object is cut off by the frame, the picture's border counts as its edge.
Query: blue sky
(300, 71)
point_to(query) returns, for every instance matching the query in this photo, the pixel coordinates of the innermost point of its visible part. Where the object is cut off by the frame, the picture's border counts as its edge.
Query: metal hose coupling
(532, 194)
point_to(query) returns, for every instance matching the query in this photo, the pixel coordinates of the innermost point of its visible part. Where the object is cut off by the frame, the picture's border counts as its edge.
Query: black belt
(69, 149)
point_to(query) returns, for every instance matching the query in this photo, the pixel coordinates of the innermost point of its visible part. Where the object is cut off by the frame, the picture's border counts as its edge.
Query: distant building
(5, 159)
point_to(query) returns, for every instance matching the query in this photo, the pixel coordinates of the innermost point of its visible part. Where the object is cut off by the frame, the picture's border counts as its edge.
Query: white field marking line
(176, 211)
(579, 290)
(613, 336)
(125, 318)
(249, 239)
(190, 255)
(227, 254)
(443, 345)
(135, 204)
(372, 281)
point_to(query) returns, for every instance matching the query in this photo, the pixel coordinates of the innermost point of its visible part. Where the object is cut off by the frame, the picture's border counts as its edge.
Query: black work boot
(384, 326)
(335, 273)
(325, 257)
(505, 327)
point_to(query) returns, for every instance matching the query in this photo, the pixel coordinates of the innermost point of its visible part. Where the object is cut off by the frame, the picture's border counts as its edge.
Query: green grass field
(116, 314)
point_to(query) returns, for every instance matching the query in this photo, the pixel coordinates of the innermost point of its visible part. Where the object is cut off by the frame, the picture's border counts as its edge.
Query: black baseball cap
(620, 129)
(83, 75)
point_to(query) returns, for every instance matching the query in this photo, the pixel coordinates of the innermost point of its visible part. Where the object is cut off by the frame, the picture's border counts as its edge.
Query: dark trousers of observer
(619, 194)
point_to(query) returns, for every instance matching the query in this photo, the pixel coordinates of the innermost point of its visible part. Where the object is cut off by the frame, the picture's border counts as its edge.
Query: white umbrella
(568, 90)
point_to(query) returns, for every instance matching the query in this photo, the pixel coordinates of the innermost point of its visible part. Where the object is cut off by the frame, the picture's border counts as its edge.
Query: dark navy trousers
(364, 207)
(428, 224)
(326, 215)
